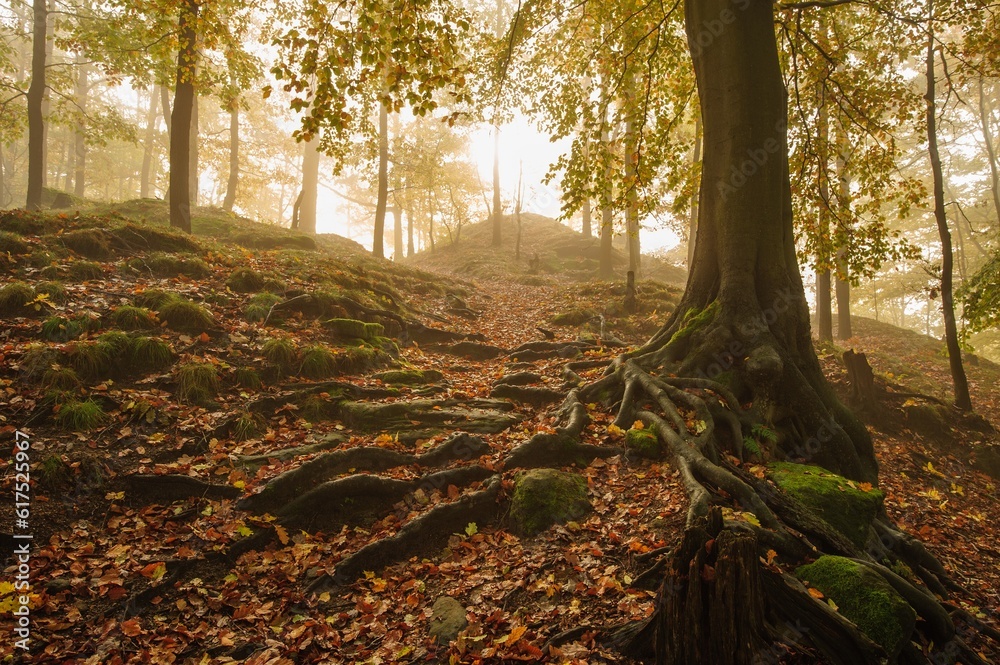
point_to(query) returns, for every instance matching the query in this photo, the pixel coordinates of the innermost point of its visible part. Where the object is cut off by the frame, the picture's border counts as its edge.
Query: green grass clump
(54, 290)
(358, 359)
(248, 378)
(186, 315)
(11, 243)
(128, 317)
(85, 271)
(150, 354)
(15, 299)
(61, 329)
(245, 280)
(37, 360)
(247, 426)
(280, 352)
(81, 416)
(318, 362)
(259, 307)
(171, 265)
(41, 258)
(197, 383)
(92, 243)
(92, 361)
(54, 471)
(154, 298)
(58, 377)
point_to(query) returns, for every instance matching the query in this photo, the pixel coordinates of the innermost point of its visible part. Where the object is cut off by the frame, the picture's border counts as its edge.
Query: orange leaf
(771, 556)
(131, 627)
(204, 338)
(815, 593)
(865, 487)
(638, 425)
(282, 534)
(516, 633)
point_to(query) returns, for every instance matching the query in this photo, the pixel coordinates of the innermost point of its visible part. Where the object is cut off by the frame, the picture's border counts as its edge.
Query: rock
(573, 317)
(643, 443)
(864, 597)
(987, 460)
(849, 510)
(447, 620)
(353, 329)
(543, 497)
(409, 377)
(930, 419)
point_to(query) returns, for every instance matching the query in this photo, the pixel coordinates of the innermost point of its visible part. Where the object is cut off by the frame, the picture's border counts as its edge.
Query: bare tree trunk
(80, 147)
(587, 211)
(194, 186)
(36, 118)
(378, 242)
(47, 94)
(824, 310)
(409, 230)
(165, 103)
(607, 219)
(180, 136)
(693, 222)
(843, 284)
(310, 187)
(147, 152)
(962, 399)
(397, 233)
(497, 205)
(632, 179)
(984, 118)
(234, 156)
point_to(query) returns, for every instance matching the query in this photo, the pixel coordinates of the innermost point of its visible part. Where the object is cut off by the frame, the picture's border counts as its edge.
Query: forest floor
(126, 570)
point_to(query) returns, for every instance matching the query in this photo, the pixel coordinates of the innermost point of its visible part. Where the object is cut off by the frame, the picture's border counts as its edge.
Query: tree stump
(861, 378)
(711, 603)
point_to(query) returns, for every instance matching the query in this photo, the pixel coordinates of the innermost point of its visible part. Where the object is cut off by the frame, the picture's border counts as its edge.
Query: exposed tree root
(169, 488)
(526, 394)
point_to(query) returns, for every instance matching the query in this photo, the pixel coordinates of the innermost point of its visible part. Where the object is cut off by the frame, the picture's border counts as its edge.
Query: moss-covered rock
(543, 497)
(573, 317)
(844, 505)
(15, 298)
(409, 377)
(864, 597)
(447, 619)
(349, 328)
(644, 443)
(927, 418)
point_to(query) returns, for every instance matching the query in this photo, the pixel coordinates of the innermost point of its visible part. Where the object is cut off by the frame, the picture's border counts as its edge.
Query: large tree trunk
(409, 229)
(824, 305)
(194, 181)
(497, 205)
(147, 146)
(693, 220)
(80, 135)
(36, 117)
(310, 187)
(378, 242)
(962, 399)
(632, 180)
(984, 118)
(180, 122)
(607, 218)
(234, 156)
(843, 287)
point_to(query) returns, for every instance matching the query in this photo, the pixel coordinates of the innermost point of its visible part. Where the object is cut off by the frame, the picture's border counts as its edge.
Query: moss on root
(695, 320)
(573, 317)
(843, 504)
(864, 597)
(409, 377)
(643, 443)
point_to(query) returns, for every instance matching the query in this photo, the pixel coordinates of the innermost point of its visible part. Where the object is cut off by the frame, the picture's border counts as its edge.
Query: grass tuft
(245, 280)
(280, 352)
(128, 317)
(150, 354)
(15, 299)
(61, 329)
(54, 290)
(248, 378)
(197, 383)
(259, 307)
(91, 360)
(58, 377)
(318, 362)
(92, 243)
(186, 315)
(247, 426)
(81, 416)
(11, 243)
(85, 271)
(37, 360)
(154, 298)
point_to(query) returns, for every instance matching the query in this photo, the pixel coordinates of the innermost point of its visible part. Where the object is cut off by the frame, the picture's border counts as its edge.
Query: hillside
(244, 448)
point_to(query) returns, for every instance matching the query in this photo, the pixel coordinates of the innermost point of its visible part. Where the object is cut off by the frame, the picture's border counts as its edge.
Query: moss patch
(850, 510)
(15, 299)
(186, 315)
(573, 317)
(695, 320)
(409, 377)
(128, 317)
(864, 597)
(543, 497)
(644, 443)
(197, 383)
(11, 243)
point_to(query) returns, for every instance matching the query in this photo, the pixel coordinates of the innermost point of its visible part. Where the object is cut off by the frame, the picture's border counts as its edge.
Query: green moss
(347, 328)
(116, 344)
(850, 510)
(248, 378)
(644, 443)
(85, 271)
(359, 359)
(543, 497)
(185, 315)
(42, 258)
(15, 299)
(91, 360)
(695, 320)
(150, 354)
(172, 265)
(373, 331)
(409, 377)
(37, 360)
(54, 290)
(197, 383)
(11, 243)
(318, 362)
(573, 317)
(128, 317)
(60, 329)
(92, 243)
(317, 409)
(81, 416)
(154, 298)
(60, 378)
(864, 597)
(280, 352)
(245, 280)
(259, 307)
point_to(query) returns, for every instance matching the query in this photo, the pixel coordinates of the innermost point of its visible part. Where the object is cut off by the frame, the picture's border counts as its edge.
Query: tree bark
(984, 118)
(80, 135)
(824, 305)
(378, 242)
(693, 221)
(180, 135)
(234, 156)
(147, 152)
(409, 230)
(497, 204)
(632, 180)
(962, 398)
(607, 218)
(843, 284)
(36, 118)
(397, 233)
(310, 187)
(194, 185)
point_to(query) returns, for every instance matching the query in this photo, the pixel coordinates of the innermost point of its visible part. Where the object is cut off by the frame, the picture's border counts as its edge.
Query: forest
(405, 331)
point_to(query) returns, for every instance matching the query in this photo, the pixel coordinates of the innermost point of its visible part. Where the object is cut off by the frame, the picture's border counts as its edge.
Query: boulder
(543, 497)
(447, 619)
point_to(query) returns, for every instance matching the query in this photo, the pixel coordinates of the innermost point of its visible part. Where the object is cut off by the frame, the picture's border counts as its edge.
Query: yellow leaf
(865, 487)
(638, 425)
(282, 534)
(516, 633)
(829, 601)
(771, 556)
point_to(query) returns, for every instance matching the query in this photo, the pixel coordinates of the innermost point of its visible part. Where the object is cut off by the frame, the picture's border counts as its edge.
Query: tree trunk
(962, 399)
(607, 218)
(80, 136)
(310, 187)
(36, 118)
(180, 122)
(397, 233)
(409, 230)
(234, 156)
(497, 205)
(165, 103)
(47, 93)
(587, 209)
(984, 118)
(824, 309)
(632, 179)
(843, 283)
(147, 151)
(378, 242)
(693, 222)
(844, 330)
(193, 186)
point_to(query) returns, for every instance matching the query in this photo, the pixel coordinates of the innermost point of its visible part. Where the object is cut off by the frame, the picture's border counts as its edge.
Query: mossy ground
(544, 497)
(643, 443)
(847, 506)
(865, 598)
